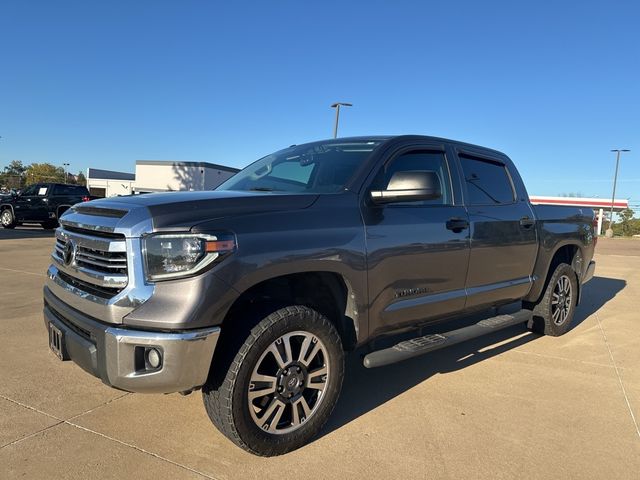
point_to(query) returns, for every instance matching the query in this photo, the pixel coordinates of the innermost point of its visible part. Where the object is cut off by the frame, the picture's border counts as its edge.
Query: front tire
(282, 384)
(553, 313)
(7, 219)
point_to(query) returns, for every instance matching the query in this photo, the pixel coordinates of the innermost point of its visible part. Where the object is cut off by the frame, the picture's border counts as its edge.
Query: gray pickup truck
(255, 292)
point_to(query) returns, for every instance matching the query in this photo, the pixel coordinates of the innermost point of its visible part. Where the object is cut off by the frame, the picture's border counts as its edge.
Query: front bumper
(115, 355)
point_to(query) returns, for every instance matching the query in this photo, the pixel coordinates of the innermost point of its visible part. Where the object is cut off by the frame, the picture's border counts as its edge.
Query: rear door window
(487, 182)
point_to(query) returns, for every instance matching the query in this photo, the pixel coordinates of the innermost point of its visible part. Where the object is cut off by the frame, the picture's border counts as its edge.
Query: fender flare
(355, 306)
(537, 289)
(66, 207)
(3, 207)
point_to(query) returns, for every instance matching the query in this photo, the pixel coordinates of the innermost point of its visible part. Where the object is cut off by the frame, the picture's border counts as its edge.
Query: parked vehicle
(5, 196)
(256, 291)
(41, 203)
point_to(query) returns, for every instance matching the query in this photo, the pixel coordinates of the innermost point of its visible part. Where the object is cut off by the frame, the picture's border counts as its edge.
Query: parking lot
(511, 405)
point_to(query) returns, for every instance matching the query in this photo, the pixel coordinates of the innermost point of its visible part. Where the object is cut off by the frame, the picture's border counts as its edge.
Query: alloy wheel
(288, 382)
(6, 217)
(561, 300)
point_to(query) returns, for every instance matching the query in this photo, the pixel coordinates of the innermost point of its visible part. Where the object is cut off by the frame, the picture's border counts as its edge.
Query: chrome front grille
(101, 261)
(97, 260)
(97, 265)
(91, 261)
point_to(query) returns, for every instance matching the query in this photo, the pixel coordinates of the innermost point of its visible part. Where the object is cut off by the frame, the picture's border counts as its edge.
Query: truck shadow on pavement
(25, 232)
(595, 294)
(364, 390)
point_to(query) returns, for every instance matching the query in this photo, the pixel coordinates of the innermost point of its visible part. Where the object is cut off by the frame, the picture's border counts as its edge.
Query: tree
(625, 220)
(81, 179)
(12, 175)
(627, 225)
(44, 172)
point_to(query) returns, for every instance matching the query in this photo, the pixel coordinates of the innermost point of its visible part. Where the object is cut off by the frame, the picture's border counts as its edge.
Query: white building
(158, 176)
(163, 176)
(107, 183)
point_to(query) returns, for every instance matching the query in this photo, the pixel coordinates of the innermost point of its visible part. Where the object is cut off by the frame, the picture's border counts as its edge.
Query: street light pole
(609, 232)
(337, 106)
(65, 171)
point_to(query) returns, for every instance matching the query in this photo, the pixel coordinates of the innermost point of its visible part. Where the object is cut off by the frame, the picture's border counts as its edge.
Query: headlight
(179, 255)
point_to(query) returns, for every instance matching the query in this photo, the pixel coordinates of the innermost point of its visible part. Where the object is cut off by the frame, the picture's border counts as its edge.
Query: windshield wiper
(261, 189)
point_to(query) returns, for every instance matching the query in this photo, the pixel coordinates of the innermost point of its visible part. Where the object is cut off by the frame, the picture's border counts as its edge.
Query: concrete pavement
(512, 405)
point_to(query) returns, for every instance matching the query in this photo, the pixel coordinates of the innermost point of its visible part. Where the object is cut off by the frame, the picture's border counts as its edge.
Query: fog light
(153, 357)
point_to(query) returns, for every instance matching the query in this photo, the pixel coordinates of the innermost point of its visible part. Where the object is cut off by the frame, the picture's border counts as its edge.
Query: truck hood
(183, 210)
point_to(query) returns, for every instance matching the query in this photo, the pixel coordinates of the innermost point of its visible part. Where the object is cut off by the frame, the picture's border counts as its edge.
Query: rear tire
(553, 313)
(270, 405)
(7, 219)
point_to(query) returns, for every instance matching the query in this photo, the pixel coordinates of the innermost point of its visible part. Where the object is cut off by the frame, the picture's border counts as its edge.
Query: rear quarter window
(70, 190)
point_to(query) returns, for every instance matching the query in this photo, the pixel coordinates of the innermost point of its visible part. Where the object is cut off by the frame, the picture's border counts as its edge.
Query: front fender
(7, 205)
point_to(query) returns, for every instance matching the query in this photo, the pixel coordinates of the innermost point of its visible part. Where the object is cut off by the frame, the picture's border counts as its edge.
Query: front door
(23, 202)
(417, 252)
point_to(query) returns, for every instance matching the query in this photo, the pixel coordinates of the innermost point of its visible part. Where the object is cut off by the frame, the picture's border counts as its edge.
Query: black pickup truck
(255, 292)
(41, 203)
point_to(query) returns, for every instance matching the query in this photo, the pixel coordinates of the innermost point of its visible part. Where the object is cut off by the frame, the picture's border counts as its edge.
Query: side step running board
(429, 343)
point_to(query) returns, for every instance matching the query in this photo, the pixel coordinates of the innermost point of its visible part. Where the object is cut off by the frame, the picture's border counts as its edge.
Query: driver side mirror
(409, 186)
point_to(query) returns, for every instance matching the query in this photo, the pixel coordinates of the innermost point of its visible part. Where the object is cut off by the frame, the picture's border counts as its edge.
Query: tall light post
(65, 171)
(337, 106)
(609, 232)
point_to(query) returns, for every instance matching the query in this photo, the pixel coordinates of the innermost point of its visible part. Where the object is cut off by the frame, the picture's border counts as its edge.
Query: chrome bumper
(115, 354)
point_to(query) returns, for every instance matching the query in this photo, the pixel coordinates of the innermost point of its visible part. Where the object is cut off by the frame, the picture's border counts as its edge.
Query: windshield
(323, 167)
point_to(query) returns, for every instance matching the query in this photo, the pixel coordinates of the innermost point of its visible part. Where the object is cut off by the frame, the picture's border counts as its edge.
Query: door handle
(457, 224)
(527, 222)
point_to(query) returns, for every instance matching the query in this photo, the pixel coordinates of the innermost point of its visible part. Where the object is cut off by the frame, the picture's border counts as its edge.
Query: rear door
(416, 252)
(40, 202)
(503, 235)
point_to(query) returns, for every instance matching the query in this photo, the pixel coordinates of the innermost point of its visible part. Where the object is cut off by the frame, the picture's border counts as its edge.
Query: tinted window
(292, 171)
(30, 190)
(418, 161)
(69, 190)
(487, 182)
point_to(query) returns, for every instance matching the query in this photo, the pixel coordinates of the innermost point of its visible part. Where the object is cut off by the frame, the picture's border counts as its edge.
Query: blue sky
(555, 85)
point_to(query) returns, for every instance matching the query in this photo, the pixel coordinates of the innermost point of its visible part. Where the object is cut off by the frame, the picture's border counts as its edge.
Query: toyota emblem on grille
(69, 252)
